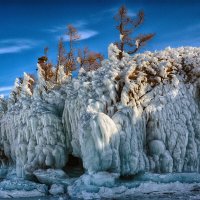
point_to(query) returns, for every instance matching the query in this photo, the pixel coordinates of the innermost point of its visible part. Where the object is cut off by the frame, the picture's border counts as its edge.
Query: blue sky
(27, 26)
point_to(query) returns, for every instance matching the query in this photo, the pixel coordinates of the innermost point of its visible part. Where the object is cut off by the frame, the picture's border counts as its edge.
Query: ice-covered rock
(92, 184)
(142, 113)
(21, 188)
(51, 176)
(32, 136)
(57, 189)
(3, 106)
(137, 114)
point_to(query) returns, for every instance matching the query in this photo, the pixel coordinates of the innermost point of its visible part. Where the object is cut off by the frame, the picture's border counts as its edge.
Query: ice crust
(137, 114)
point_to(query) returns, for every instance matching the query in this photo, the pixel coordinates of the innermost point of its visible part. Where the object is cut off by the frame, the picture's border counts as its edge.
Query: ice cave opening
(130, 177)
(3, 159)
(74, 166)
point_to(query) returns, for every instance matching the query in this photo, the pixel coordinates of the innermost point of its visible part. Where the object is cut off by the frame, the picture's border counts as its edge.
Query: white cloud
(85, 34)
(5, 91)
(15, 45)
(16, 40)
(56, 29)
(76, 24)
(80, 23)
(13, 49)
(5, 88)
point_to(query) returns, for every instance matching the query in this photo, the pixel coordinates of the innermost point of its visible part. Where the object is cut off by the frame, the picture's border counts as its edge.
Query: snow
(140, 114)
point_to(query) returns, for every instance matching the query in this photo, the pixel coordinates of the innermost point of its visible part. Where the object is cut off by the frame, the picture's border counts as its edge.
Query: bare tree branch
(126, 26)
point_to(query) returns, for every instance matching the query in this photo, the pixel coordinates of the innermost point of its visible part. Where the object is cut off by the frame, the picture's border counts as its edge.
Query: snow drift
(137, 114)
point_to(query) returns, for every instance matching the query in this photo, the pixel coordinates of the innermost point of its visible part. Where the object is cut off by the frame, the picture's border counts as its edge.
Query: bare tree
(61, 53)
(61, 56)
(31, 82)
(46, 66)
(89, 60)
(126, 26)
(73, 36)
(82, 56)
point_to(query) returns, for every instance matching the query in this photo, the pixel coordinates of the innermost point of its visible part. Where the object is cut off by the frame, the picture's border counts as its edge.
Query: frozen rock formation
(32, 133)
(3, 106)
(140, 114)
(137, 114)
